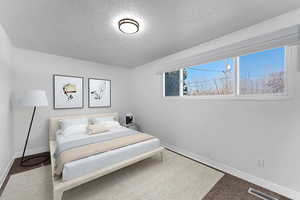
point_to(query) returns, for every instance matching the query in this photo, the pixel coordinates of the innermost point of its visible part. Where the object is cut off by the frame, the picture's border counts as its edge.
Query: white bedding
(65, 142)
(84, 166)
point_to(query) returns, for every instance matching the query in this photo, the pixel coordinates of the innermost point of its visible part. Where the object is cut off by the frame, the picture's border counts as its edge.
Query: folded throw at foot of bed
(96, 148)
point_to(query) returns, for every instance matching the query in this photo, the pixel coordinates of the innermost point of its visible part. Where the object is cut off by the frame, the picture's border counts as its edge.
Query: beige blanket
(92, 149)
(96, 129)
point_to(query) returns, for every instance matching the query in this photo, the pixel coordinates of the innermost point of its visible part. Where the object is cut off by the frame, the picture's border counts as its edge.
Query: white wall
(6, 135)
(232, 134)
(34, 70)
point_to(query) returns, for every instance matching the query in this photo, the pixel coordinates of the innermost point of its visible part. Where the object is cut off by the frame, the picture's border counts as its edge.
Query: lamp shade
(33, 98)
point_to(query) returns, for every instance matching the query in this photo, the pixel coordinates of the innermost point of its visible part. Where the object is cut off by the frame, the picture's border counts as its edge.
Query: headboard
(53, 121)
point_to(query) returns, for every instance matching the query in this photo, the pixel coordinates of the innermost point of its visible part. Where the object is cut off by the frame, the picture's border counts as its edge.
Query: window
(214, 78)
(263, 72)
(260, 73)
(172, 83)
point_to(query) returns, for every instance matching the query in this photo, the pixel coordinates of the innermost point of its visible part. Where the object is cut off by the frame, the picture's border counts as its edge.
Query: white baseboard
(32, 151)
(238, 173)
(6, 171)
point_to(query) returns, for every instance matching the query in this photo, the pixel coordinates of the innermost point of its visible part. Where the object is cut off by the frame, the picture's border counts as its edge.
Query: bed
(83, 170)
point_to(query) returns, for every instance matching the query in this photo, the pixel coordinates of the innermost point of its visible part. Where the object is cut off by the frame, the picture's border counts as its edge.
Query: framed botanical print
(67, 92)
(99, 93)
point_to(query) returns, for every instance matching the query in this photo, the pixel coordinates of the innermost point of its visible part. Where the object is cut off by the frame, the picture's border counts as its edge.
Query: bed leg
(162, 156)
(57, 195)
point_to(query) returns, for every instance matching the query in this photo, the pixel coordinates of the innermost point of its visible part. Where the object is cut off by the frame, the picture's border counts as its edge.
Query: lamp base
(29, 162)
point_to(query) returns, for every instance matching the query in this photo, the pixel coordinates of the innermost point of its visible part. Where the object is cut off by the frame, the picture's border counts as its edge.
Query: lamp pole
(23, 161)
(26, 142)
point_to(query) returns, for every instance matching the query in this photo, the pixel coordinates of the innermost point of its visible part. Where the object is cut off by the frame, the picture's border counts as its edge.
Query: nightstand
(132, 126)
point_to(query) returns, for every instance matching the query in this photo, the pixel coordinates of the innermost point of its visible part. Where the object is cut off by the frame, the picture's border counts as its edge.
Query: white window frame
(290, 69)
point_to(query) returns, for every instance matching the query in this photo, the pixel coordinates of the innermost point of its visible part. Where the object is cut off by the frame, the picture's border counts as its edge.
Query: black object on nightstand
(128, 118)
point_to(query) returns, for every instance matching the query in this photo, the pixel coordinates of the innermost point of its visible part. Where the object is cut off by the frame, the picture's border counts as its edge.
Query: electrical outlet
(261, 163)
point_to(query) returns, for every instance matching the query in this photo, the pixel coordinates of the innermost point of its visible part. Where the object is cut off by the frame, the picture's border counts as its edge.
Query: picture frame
(99, 93)
(68, 92)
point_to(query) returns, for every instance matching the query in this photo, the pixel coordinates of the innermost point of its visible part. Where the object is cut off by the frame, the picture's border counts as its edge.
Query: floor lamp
(33, 98)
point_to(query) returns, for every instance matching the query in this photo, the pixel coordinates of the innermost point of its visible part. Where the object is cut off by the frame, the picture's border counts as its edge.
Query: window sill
(232, 98)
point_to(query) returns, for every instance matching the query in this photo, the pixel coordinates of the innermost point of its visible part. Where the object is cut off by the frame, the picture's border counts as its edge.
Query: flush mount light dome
(129, 26)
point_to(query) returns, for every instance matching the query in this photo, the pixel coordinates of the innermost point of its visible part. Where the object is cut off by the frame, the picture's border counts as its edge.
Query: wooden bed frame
(60, 186)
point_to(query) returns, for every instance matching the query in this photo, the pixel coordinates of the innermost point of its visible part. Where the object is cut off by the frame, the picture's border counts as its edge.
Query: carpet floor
(176, 178)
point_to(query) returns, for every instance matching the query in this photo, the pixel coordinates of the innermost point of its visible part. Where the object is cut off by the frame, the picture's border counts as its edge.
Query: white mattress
(84, 166)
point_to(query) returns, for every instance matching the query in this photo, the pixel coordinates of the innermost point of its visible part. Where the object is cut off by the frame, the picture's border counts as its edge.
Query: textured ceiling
(86, 29)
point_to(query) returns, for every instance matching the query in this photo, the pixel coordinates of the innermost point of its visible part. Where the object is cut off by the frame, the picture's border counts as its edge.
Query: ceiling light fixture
(129, 26)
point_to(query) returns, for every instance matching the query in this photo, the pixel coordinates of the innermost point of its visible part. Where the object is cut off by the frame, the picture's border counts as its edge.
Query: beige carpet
(176, 178)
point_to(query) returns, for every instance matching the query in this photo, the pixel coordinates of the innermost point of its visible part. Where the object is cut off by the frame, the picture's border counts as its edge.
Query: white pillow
(109, 124)
(73, 130)
(65, 123)
(101, 119)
